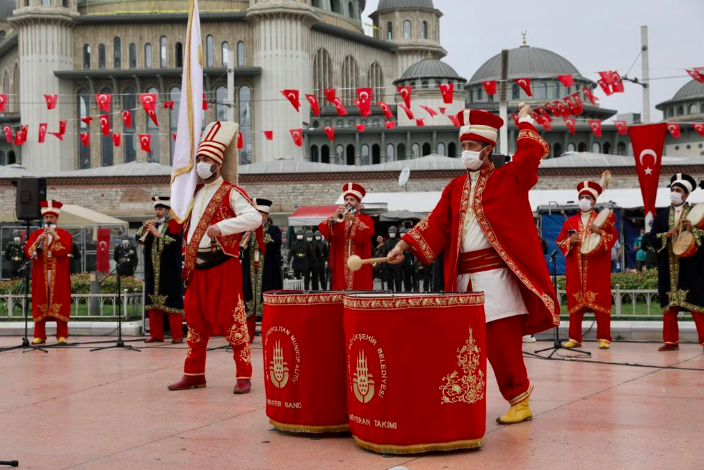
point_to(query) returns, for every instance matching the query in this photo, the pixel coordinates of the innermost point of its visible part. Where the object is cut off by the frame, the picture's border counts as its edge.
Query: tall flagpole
(645, 61)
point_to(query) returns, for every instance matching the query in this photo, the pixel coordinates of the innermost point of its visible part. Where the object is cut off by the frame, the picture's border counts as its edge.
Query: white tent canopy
(421, 203)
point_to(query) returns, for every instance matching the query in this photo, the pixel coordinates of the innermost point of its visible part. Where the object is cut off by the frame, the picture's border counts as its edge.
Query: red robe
(588, 276)
(347, 239)
(504, 214)
(52, 300)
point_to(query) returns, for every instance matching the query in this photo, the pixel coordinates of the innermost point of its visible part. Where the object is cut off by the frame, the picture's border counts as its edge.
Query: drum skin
(684, 245)
(696, 216)
(416, 371)
(594, 239)
(304, 361)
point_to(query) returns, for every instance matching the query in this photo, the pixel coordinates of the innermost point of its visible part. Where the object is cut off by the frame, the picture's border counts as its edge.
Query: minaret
(46, 45)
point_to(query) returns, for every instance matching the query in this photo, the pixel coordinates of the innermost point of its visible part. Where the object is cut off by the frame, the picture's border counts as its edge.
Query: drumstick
(355, 263)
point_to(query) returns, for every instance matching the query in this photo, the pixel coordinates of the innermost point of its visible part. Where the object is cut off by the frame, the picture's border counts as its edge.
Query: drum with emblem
(304, 361)
(684, 245)
(593, 241)
(416, 371)
(696, 216)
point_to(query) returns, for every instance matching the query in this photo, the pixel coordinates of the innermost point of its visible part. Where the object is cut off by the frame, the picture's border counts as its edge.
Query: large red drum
(304, 361)
(416, 371)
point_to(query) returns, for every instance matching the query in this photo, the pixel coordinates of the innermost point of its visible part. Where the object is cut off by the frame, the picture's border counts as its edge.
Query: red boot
(243, 386)
(153, 340)
(669, 347)
(188, 382)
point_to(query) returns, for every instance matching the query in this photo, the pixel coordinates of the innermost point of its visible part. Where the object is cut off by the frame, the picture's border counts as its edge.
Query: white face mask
(676, 198)
(125, 242)
(317, 238)
(299, 237)
(310, 239)
(160, 219)
(472, 160)
(585, 205)
(392, 235)
(204, 170)
(17, 239)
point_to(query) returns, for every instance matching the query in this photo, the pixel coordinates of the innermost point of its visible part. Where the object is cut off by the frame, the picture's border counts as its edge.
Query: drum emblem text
(278, 368)
(363, 382)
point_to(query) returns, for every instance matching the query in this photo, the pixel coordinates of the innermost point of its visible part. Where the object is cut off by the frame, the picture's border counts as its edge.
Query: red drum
(304, 361)
(416, 371)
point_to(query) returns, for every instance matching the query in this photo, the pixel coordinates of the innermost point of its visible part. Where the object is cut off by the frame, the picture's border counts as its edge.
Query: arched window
(556, 150)
(2, 158)
(315, 125)
(582, 147)
(480, 94)
(324, 154)
(86, 56)
(117, 52)
(132, 52)
(225, 53)
(322, 74)
(178, 54)
(452, 150)
(515, 91)
(426, 150)
(175, 96)
(555, 91)
(316, 3)
(375, 81)
(163, 53)
(693, 109)
(314, 155)
(365, 154)
(606, 148)
(101, 56)
(240, 54)
(245, 115)
(407, 29)
(83, 111)
(129, 142)
(350, 155)
(376, 154)
(571, 147)
(596, 147)
(701, 108)
(401, 152)
(376, 123)
(621, 149)
(46, 3)
(424, 29)
(148, 56)
(390, 153)
(11, 158)
(543, 91)
(335, 6)
(350, 9)
(64, 3)
(441, 149)
(424, 84)
(339, 124)
(350, 74)
(153, 131)
(351, 123)
(680, 110)
(415, 148)
(339, 155)
(106, 144)
(209, 51)
(221, 103)
(389, 31)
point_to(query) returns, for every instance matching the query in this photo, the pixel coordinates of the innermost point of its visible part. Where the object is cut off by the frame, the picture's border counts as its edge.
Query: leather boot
(517, 413)
(669, 347)
(243, 386)
(188, 382)
(153, 340)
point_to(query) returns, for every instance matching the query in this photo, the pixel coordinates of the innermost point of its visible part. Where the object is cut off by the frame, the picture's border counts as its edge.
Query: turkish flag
(297, 136)
(448, 91)
(127, 118)
(453, 118)
(648, 141)
(571, 123)
(621, 127)
(3, 103)
(524, 83)
(390, 124)
(562, 109)
(406, 93)
(490, 87)
(331, 95)
(606, 88)
(103, 252)
(21, 135)
(578, 103)
(589, 95)
(148, 101)
(205, 102)
(294, 97)
(552, 109)
(566, 80)
(408, 111)
(145, 141)
(314, 105)
(116, 139)
(385, 109)
(341, 110)
(674, 129)
(168, 104)
(570, 105)
(240, 140)
(87, 120)
(420, 123)
(595, 124)
(42, 132)
(361, 127)
(545, 114)
(85, 138)
(105, 124)
(51, 101)
(546, 125)
(8, 134)
(428, 110)
(269, 135)
(442, 110)
(365, 101)
(152, 115)
(104, 100)
(699, 128)
(62, 127)
(363, 111)
(330, 132)
(613, 79)
(698, 76)
(57, 135)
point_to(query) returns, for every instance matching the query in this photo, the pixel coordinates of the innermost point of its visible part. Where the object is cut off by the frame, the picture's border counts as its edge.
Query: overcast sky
(594, 36)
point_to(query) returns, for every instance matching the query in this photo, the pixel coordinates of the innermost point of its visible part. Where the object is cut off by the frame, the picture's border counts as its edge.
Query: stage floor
(110, 410)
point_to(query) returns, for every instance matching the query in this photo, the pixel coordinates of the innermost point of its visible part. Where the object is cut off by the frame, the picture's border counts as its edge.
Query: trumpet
(348, 210)
(146, 233)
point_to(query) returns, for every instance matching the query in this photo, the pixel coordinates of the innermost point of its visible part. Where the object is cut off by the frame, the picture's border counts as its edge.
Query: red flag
(104, 100)
(490, 87)
(566, 80)
(87, 120)
(105, 124)
(363, 110)
(173, 136)
(331, 95)
(571, 123)
(297, 136)
(408, 111)
(314, 105)
(386, 109)
(42, 132)
(361, 127)
(613, 79)
(406, 93)
(148, 101)
(589, 95)
(51, 101)
(85, 138)
(240, 140)
(341, 110)
(116, 139)
(552, 109)
(546, 125)
(674, 129)
(390, 124)
(442, 110)
(3, 103)
(205, 102)
(145, 141)
(448, 91)
(579, 104)
(62, 127)
(454, 119)
(621, 127)
(420, 123)
(570, 105)
(269, 135)
(561, 109)
(524, 83)
(103, 251)
(595, 124)
(294, 97)
(330, 132)
(699, 128)
(515, 118)
(8, 134)
(606, 88)
(428, 110)
(21, 135)
(127, 118)
(152, 115)
(696, 75)
(168, 104)
(57, 135)
(648, 141)
(365, 101)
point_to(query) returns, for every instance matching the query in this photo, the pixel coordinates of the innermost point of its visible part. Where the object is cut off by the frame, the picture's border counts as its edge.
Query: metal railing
(83, 306)
(628, 303)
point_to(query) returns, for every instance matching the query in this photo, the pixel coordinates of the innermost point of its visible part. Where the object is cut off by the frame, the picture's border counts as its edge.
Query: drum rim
(373, 301)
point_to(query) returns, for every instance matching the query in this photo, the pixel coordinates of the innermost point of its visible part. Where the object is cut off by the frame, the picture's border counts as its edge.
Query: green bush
(646, 280)
(81, 285)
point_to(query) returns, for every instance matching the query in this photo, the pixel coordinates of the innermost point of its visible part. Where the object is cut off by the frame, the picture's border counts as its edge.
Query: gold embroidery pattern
(534, 136)
(57, 246)
(303, 299)
(192, 339)
(413, 302)
(469, 387)
(50, 311)
(350, 250)
(158, 243)
(676, 296)
(246, 354)
(237, 335)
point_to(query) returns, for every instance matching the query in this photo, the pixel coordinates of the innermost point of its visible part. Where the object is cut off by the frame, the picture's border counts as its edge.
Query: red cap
(354, 189)
(479, 125)
(590, 187)
(50, 207)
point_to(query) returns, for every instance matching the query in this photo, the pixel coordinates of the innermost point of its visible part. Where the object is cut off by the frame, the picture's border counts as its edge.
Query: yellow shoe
(604, 344)
(38, 341)
(63, 340)
(571, 344)
(517, 413)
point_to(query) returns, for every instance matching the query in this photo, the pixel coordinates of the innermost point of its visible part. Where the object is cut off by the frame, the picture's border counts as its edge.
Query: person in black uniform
(14, 253)
(380, 268)
(394, 272)
(322, 260)
(298, 256)
(126, 253)
(74, 257)
(408, 264)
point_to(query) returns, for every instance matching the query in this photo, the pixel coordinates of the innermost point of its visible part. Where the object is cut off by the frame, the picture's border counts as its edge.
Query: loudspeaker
(27, 196)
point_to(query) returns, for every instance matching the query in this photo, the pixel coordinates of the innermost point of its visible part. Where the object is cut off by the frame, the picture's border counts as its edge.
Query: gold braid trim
(534, 136)
(418, 448)
(403, 302)
(309, 429)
